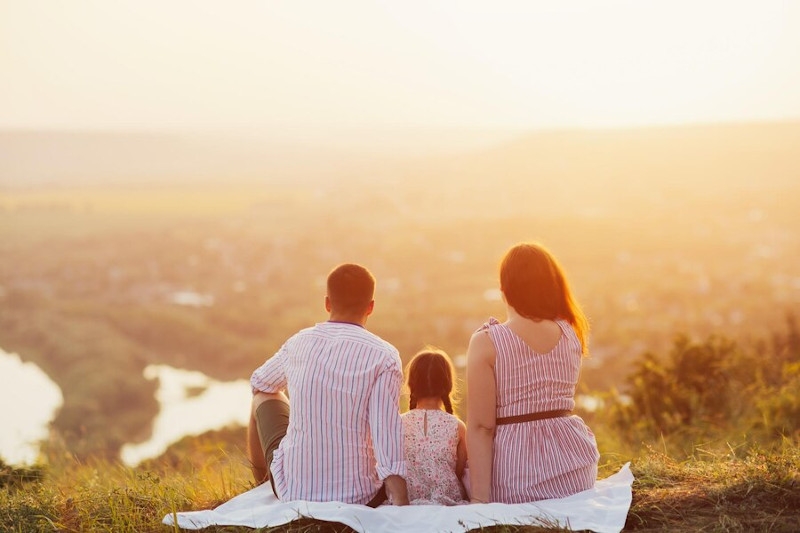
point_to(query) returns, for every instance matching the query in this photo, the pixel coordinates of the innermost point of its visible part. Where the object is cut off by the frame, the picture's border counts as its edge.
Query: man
(342, 438)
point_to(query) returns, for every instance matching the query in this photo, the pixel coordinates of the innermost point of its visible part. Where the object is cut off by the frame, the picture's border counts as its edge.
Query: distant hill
(678, 154)
(30, 158)
(547, 165)
(609, 169)
(37, 158)
(61, 157)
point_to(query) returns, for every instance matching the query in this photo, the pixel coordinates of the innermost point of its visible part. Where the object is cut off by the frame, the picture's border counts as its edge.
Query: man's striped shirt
(345, 434)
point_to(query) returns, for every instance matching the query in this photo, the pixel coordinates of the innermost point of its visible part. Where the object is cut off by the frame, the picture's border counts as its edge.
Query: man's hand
(396, 490)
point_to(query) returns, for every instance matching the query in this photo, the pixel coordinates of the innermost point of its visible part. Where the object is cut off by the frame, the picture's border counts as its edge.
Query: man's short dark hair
(351, 288)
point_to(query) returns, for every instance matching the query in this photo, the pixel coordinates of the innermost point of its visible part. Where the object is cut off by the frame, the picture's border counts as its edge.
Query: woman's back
(550, 457)
(529, 381)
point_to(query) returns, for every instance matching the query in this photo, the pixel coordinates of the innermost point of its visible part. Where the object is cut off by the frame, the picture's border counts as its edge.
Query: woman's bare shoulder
(481, 339)
(481, 349)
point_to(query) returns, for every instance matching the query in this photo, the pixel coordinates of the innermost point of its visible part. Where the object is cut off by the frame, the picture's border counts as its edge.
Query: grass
(711, 492)
(754, 490)
(98, 495)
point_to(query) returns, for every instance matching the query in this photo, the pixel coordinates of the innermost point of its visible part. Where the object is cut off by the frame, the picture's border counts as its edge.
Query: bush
(715, 389)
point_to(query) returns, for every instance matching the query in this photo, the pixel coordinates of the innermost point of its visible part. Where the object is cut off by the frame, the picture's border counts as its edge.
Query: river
(190, 403)
(29, 401)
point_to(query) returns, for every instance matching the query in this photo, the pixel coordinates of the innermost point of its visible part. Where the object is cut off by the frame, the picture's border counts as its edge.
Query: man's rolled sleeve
(384, 420)
(271, 376)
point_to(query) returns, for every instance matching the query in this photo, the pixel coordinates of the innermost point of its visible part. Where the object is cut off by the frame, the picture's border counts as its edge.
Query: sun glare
(309, 68)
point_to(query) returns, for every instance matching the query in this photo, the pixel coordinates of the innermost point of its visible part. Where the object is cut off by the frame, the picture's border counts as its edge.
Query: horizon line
(250, 132)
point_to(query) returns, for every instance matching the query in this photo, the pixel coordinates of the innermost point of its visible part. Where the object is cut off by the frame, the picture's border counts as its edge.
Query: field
(736, 491)
(680, 243)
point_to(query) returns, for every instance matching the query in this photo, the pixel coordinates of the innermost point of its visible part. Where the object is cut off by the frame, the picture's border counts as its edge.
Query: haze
(327, 71)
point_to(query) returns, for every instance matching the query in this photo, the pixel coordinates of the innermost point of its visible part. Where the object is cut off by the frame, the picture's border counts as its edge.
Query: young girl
(435, 439)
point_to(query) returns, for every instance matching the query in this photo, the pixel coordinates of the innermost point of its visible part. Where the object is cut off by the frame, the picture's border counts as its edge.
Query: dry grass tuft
(760, 492)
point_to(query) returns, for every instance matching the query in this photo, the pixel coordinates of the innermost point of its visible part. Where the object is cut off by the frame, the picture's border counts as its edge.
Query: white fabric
(602, 508)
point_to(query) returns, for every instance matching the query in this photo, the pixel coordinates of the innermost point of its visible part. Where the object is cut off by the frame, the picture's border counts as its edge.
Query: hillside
(739, 491)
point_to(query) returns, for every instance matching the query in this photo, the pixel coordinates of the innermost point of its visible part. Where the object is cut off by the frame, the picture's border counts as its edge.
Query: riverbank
(36, 400)
(755, 490)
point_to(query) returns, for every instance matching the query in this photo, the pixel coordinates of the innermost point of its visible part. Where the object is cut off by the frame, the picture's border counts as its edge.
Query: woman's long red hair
(534, 284)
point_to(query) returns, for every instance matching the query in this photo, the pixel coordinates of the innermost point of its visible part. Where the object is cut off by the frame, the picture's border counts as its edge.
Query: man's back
(343, 383)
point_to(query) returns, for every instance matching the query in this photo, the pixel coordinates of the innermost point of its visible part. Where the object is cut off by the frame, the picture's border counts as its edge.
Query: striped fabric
(541, 459)
(345, 434)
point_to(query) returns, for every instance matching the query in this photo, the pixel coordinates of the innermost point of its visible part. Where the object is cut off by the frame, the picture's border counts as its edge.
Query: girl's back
(431, 443)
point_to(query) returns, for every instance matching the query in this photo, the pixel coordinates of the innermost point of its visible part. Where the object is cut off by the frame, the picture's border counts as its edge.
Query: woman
(523, 442)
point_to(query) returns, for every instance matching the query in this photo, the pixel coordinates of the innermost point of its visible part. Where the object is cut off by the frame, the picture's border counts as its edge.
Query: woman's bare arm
(481, 414)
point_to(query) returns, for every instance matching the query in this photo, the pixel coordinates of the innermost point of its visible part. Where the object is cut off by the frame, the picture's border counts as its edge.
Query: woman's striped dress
(540, 459)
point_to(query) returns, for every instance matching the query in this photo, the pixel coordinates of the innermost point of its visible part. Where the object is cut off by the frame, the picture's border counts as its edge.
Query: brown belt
(542, 415)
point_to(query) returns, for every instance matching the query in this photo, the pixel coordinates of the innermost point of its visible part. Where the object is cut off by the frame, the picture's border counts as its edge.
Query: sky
(325, 67)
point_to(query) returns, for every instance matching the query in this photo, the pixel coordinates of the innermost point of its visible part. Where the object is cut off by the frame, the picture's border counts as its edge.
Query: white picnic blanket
(602, 508)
